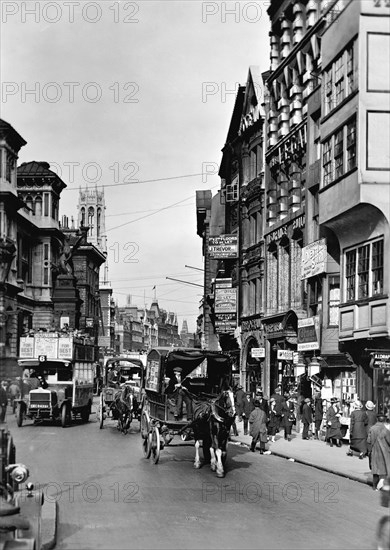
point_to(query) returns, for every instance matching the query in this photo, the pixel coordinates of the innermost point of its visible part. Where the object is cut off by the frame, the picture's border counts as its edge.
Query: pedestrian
(14, 394)
(245, 415)
(272, 422)
(318, 414)
(333, 425)
(262, 400)
(258, 428)
(371, 414)
(3, 400)
(288, 416)
(307, 418)
(239, 399)
(358, 431)
(279, 404)
(378, 441)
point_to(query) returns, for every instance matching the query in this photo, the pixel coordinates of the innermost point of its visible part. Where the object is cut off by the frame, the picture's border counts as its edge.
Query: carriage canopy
(161, 362)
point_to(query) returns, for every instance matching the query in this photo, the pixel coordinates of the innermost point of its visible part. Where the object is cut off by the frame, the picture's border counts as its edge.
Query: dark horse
(213, 419)
(124, 407)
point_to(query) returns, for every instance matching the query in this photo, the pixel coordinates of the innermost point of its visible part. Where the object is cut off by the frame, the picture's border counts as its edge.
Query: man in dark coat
(307, 418)
(258, 428)
(3, 400)
(279, 404)
(358, 431)
(318, 414)
(288, 416)
(378, 442)
(175, 386)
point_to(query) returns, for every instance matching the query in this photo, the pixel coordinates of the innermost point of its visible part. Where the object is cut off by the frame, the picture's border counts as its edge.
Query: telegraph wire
(139, 182)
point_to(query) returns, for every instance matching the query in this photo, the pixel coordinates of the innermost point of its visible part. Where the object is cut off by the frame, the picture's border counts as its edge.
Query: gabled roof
(254, 97)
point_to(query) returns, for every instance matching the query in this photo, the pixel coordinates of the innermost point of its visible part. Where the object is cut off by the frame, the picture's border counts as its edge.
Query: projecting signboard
(314, 257)
(380, 360)
(225, 322)
(225, 300)
(285, 355)
(308, 333)
(223, 246)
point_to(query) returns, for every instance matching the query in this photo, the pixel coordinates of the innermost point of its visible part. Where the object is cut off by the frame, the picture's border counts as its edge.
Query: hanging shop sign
(225, 300)
(248, 325)
(380, 360)
(258, 353)
(308, 333)
(223, 246)
(314, 257)
(225, 322)
(285, 355)
(223, 283)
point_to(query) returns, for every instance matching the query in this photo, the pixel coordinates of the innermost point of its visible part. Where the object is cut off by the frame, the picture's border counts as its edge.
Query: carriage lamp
(19, 472)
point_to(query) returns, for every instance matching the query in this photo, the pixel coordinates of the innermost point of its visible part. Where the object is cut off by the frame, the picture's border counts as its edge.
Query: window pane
(350, 269)
(363, 270)
(377, 267)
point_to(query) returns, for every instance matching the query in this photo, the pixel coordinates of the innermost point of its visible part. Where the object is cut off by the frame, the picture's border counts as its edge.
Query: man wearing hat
(175, 386)
(3, 400)
(371, 414)
(307, 418)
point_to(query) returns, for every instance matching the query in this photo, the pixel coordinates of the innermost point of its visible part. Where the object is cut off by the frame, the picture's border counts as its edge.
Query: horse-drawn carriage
(122, 391)
(208, 410)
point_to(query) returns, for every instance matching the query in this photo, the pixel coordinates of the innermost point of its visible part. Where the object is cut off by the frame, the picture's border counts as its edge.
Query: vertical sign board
(65, 348)
(314, 258)
(153, 368)
(26, 348)
(308, 333)
(225, 307)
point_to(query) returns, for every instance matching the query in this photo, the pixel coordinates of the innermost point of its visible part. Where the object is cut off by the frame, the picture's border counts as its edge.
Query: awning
(336, 361)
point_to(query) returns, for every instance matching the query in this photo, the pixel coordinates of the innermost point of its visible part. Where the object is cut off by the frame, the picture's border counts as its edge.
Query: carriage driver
(175, 386)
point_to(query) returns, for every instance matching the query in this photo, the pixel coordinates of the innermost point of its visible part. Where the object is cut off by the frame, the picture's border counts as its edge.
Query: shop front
(252, 354)
(280, 333)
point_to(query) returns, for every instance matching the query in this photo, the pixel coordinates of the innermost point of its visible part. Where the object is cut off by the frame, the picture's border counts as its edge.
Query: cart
(203, 373)
(119, 373)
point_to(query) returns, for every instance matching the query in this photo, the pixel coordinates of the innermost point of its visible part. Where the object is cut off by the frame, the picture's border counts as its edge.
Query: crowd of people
(369, 433)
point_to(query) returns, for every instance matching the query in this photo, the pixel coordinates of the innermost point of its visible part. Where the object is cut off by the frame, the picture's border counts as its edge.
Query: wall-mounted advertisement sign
(225, 322)
(223, 246)
(308, 333)
(314, 257)
(258, 352)
(285, 354)
(225, 300)
(223, 282)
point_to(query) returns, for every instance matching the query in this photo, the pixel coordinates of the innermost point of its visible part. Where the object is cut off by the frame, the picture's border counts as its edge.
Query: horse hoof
(213, 468)
(220, 474)
(197, 465)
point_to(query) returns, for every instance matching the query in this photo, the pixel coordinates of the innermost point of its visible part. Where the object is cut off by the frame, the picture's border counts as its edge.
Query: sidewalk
(314, 453)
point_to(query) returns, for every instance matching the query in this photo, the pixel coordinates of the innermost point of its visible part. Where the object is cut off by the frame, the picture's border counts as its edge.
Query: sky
(135, 97)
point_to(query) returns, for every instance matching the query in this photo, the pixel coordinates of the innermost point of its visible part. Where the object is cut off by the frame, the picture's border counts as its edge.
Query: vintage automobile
(58, 385)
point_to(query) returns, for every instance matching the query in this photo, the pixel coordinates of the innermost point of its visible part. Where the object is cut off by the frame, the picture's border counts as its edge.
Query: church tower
(91, 209)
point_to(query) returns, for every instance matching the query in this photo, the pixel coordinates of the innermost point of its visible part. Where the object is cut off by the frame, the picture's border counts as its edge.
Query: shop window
(364, 271)
(315, 295)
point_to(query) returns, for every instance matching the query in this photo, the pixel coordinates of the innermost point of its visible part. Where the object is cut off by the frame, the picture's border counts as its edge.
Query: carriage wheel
(146, 434)
(101, 413)
(66, 417)
(155, 444)
(144, 424)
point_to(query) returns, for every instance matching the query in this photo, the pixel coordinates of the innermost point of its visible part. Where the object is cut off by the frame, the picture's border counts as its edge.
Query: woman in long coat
(333, 424)
(258, 428)
(358, 431)
(378, 441)
(272, 420)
